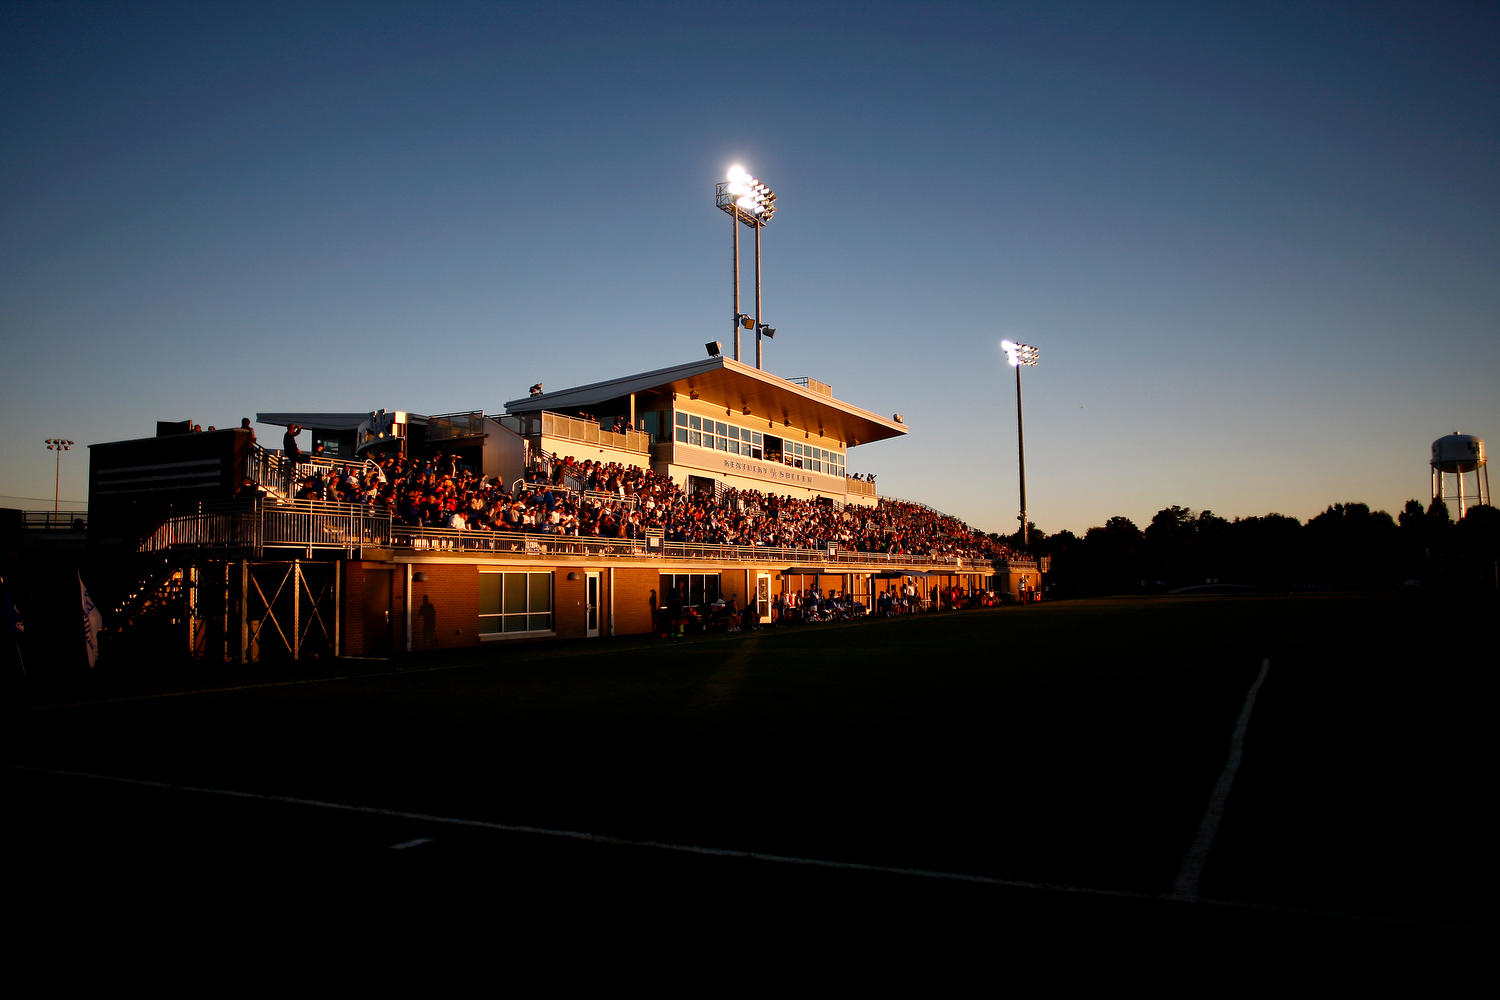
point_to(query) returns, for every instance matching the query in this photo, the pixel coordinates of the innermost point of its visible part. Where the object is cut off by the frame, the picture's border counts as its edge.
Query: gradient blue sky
(1257, 244)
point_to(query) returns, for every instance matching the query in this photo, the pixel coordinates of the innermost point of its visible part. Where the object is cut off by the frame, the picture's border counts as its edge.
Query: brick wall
(352, 624)
(445, 607)
(635, 590)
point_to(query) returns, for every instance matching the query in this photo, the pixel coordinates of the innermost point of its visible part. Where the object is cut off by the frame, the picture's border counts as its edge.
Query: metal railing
(271, 470)
(559, 425)
(546, 546)
(54, 520)
(261, 524)
(599, 497)
(859, 487)
(303, 524)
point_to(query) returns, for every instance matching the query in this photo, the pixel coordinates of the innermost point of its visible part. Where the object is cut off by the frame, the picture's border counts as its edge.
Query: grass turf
(1074, 744)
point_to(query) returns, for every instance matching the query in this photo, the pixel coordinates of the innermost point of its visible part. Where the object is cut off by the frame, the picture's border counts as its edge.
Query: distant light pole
(58, 445)
(1020, 355)
(746, 200)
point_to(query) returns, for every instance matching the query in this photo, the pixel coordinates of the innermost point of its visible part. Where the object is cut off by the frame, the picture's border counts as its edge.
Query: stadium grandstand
(712, 493)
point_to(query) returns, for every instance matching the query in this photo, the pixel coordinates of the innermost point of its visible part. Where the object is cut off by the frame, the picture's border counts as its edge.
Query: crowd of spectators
(608, 500)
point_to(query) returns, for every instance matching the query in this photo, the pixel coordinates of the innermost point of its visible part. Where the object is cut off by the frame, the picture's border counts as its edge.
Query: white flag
(93, 621)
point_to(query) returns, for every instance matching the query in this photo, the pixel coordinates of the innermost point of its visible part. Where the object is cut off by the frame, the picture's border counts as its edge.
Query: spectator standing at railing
(245, 425)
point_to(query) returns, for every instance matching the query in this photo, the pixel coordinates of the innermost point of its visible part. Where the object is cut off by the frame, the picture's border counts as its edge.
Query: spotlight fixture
(754, 202)
(767, 331)
(714, 348)
(1019, 354)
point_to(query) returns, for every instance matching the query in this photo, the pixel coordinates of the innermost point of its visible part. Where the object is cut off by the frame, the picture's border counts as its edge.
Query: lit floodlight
(742, 195)
(1019, 354)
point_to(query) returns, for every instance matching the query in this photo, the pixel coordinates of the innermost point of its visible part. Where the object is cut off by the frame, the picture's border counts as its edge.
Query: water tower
(1460, 456)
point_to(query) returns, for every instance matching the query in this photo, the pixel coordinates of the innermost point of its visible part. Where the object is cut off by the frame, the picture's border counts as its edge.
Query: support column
(758, 352)
(244, 611)
(734, 220)
(296, 609)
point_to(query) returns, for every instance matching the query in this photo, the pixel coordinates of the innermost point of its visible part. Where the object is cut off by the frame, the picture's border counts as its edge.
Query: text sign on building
(781, 474)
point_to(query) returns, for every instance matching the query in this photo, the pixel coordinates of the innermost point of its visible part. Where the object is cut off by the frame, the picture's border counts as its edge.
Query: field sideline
(1075, 745)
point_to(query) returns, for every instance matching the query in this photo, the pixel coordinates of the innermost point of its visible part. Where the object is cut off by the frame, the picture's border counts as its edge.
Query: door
(591, 604)
(763, 597)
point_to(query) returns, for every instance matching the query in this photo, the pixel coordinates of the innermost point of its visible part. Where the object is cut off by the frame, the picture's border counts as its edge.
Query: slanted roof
(735, 386)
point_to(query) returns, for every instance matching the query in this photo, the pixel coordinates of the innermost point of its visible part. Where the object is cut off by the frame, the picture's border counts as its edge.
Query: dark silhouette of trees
(1346, 546)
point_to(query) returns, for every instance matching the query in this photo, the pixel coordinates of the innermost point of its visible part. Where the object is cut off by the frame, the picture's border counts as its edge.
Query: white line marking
(597, 838)
(749, 855)
(1191, 872)
(411, 843)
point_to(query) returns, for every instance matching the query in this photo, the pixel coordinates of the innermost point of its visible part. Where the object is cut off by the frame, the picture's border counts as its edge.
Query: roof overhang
(737, 387)
(327, 421)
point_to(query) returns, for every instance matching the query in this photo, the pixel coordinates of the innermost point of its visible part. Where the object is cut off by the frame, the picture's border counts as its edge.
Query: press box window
(515, 602)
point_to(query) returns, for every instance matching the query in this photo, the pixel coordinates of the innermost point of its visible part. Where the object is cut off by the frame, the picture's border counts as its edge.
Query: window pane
(755, 437)
(489, 593)
(710, 589)
(723, 443)
(515, 593)
(541, 592)
(696, 423)
(681, 419)
(797, 449)
(663, 590)
(734, 433)
(489, 624)
(721, 429)
(514, 623)
(734, 447)
(538, 623)
(695, 590)
(756, 452)
(695, 438)
(682, 434)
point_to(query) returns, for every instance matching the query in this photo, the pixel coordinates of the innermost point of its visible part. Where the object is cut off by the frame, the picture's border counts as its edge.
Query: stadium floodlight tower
(58, 445)
(1020, 356)
(750, 202)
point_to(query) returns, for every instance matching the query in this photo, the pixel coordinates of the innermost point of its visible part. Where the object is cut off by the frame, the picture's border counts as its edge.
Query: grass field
(1073, 745)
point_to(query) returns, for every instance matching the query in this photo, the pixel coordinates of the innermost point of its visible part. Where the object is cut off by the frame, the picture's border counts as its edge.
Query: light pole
(58, 445)
(1020, 355)
(746, 200)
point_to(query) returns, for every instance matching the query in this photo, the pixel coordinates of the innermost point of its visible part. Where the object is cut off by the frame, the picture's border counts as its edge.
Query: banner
(93, 621)
(13, 619)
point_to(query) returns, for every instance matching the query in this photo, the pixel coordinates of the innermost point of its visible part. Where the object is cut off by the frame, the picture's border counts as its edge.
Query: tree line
(1348, 546)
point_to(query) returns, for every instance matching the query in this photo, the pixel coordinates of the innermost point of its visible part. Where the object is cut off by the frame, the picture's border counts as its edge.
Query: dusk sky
(1256, 245)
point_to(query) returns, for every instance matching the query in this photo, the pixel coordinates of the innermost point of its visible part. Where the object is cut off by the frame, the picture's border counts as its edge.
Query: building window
(705, 432)
(702, 589)
(515, 602)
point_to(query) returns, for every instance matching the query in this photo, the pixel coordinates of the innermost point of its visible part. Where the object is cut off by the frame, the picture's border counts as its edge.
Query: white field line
(1191, 872)
(597, 838)
(726, 853)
